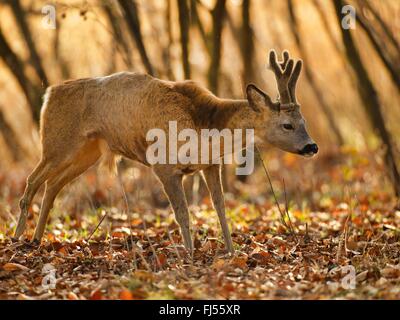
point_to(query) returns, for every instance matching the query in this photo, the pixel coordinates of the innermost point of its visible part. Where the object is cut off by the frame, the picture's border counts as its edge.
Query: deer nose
(310, 148)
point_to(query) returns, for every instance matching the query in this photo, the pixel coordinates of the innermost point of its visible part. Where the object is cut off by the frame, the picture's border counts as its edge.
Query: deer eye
(287, 126)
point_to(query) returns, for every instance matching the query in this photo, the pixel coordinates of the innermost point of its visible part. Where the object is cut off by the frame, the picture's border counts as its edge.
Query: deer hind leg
(173, 188)
(39, 175)
(84, 159)
(49, 166)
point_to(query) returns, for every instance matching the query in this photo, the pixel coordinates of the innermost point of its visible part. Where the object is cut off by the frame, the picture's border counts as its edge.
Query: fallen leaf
(63, 251)
(391, 272)
(10, 266)
(73, 296)
(239, 262)
(125, 295)
(352, 245)
(143, 275)
(382, 281)
(22, 296)
(362, 276)
(96, 295)
(162, 259)
(218, 264)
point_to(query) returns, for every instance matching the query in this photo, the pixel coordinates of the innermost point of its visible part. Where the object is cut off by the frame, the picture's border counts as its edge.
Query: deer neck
(241, 116)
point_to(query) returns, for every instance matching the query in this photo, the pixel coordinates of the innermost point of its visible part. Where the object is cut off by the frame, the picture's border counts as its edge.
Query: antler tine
(288, 70)
(293, 81)
(282, 71)
(285, 56)
(273, 63)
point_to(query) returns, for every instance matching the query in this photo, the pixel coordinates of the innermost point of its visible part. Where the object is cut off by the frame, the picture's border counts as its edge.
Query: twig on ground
(344, 235)
(181, 270)
(283, 214)
(289, 223)
(98, 225)
(306, 235)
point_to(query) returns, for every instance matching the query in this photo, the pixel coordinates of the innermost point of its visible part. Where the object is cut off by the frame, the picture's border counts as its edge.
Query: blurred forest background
(349, 89)
(349, 92)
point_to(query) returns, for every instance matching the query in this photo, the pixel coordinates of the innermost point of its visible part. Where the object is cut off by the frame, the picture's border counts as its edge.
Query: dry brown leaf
(391, 272)
(218, 264)
(72, 296)
(10, 266)
(362, 276)
(240, 262)
(125, 295)
(96, 295)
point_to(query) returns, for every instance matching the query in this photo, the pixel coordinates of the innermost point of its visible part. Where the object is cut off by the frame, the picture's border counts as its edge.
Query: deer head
(282, 120)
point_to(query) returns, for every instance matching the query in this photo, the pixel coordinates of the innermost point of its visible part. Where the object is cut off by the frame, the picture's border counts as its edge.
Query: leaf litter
(337, 218)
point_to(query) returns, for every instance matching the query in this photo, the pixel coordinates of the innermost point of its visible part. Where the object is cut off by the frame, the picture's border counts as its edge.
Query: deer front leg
(174, 190)
(212, 176)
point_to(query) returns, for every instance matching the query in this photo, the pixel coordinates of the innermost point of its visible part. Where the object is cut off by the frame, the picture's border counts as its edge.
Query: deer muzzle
(309, 150)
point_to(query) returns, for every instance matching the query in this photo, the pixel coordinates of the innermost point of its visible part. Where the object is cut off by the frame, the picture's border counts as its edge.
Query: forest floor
(342, 240)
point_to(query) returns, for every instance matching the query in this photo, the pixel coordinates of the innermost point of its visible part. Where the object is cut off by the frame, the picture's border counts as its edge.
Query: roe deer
(81, 120)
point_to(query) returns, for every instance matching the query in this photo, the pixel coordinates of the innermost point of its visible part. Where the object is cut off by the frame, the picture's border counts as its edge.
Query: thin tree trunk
(132, 19)
(247, 52)
(383, 24)
(184, 18)
(247, 43)
(10, 139)
(377, 44)
(64, 68)
(166, 56)
(212, 44)
(15, 65)
(35, 60)
(114, 23)
(329, 31)
(310, 77)
(370, 99)
(197, 21)
(326, 25)
(218, 17)
(234, 29)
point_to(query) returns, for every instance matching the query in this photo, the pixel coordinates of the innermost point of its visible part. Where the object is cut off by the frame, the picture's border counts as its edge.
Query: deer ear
(259, 99)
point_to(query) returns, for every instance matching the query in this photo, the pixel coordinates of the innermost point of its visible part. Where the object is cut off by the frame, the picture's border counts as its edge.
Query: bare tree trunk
(184, 18)
(326, 25)
(247, 53)
(212, 44)
(247, 43)
(10, 139)
(234, 29)
(166, 51)
(370, 99)
(196, 20)
(113, 20)
(32, 93)
(218, 17)
(383, 24)
(329, 31)
(310, 77)
(35, 60)
(64, 68)
(132, 19)
(377, 44)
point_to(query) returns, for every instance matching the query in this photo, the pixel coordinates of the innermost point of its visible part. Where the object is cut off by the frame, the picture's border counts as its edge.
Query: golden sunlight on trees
(293, 224)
